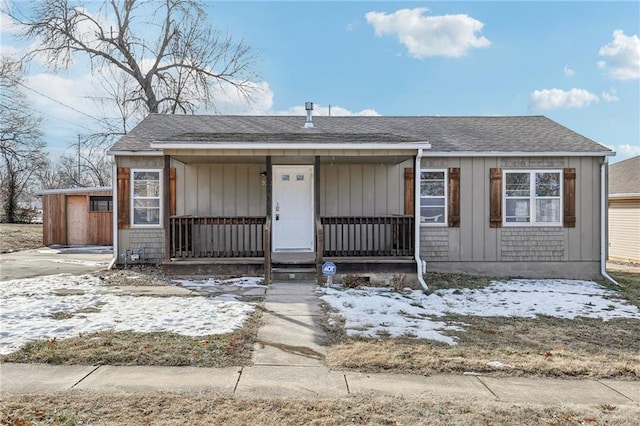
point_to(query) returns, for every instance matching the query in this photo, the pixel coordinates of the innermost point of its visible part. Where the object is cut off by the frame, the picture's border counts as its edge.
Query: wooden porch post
(318, 222)
(166, 205)
(267, 227)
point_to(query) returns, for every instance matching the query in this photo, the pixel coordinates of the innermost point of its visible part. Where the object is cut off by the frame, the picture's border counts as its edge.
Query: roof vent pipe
(309, 107)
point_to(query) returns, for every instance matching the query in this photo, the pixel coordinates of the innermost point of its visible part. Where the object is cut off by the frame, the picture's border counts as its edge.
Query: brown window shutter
(124, 176)
(454, 197)
(172, 191)
(569, 200)
(408, 191)
(495, 198)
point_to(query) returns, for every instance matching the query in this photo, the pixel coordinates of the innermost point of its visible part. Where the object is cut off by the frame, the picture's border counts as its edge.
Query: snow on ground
(371, 312)
(212, 285)
(29, 308)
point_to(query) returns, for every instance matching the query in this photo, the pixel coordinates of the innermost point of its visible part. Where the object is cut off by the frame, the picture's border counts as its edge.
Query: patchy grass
(438, 280)
(629, 285)
(178, 409)
(542, 346)
(19, 236)
(128, 348)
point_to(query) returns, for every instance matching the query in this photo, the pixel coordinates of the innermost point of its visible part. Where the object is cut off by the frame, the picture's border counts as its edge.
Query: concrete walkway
(288, 362)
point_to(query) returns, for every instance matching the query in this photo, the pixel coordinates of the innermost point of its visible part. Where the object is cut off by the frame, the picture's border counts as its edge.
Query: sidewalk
(288, 362)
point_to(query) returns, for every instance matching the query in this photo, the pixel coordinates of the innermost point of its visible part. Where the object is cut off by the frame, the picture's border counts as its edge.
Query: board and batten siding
(475, 247)
(238, 189)
(624, 230)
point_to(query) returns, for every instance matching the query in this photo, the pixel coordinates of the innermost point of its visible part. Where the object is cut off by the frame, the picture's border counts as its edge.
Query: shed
(624, 210)
(77, 216)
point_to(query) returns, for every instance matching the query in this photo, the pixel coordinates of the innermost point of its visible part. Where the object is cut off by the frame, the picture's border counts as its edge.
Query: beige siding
(474, 242)
(362, 189)
(220, 189)
(624, 230)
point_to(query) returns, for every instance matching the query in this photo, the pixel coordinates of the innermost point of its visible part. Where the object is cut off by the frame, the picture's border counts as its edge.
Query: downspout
(421, 265)
(114, 212)
(603, 221)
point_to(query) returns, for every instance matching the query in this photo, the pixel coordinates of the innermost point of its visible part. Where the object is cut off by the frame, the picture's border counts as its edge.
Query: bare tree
(21, 150)
(174, 59)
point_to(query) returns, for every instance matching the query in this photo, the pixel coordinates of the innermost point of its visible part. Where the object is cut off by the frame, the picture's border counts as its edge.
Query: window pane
(146, 189)
(432, 184)
(517, 210)
(548, 211)
(432, 189)
(432, 214)
(517, 184)
(146, 176)
(146, 203)
(548, 184)
(144, 216)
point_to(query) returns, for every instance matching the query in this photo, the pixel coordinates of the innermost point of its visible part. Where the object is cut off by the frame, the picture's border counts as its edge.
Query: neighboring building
(77, 216)
(500, 196)
(624, 210)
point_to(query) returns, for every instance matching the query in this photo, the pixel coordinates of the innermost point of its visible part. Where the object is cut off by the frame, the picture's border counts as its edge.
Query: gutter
(420, 264)
(114, 208)
(603, 221)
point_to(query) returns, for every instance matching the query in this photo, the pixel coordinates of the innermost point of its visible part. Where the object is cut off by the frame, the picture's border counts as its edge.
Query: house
(500, 196)
(77, 216)
(624, 210)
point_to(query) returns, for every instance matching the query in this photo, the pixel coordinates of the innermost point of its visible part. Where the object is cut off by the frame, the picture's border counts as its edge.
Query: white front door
(292, 215)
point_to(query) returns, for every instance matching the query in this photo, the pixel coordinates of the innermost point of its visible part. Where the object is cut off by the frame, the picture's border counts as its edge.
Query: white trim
(74, 190)
(445, 223)
(131, 201)
(153, 153)
(604, 237)
(532, 198)
(519, 154)
(114, 194)
(421, 265)
(290, 145)
(624, 195)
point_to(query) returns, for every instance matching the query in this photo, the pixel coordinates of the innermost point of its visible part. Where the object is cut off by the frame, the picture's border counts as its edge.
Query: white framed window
(433, 197)
(532, 197)
(146, 197)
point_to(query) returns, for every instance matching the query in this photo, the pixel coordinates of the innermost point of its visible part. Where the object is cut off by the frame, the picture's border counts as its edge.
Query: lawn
(570, 334)
(177, 409)
(19, 236)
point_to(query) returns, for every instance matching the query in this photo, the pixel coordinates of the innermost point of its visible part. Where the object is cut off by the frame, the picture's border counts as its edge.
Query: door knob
(277, 216)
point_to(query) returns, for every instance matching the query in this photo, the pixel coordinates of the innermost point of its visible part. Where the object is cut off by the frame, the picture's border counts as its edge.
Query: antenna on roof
(309, 107)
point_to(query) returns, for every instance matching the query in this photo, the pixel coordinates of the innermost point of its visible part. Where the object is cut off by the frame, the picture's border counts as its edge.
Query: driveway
(49, 261)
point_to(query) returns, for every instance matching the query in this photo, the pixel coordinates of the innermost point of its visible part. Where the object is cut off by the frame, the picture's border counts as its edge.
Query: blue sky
(577, 63)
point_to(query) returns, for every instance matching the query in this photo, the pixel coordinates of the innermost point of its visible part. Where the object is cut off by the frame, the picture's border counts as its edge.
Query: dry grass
(544, 346)
(18, 236)
(204, 409)
(128, 348)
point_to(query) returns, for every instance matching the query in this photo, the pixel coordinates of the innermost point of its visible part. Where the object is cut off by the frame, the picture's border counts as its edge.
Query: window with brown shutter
(454, 197)
(172, 191)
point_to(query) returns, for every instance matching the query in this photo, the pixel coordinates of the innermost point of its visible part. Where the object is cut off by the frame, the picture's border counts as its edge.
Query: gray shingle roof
(446, 134)
(624, 177)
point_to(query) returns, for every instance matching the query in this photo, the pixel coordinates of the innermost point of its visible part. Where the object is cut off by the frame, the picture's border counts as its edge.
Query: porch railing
(199, 236)
(348, 236)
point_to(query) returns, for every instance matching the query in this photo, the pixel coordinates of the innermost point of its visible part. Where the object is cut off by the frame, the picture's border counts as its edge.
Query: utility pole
(78, 178)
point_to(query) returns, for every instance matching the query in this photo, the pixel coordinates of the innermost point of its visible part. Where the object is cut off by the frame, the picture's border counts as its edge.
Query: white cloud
(229, 101)
(7, 24)
(623, 54)
(319, 110)
(628, 150)
(610, 96)
(425, 36)
(548, 99)
(568, 72)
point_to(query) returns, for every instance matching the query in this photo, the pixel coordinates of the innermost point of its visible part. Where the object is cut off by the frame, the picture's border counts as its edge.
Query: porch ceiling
(291, 159)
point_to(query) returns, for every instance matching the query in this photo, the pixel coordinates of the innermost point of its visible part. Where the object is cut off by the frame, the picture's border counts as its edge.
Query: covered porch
(228, 212)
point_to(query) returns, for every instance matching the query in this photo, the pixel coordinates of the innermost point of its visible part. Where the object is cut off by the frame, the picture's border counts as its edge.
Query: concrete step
(293, 274)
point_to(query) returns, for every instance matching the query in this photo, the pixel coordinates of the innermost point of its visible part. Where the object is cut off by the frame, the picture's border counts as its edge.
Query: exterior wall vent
(309, 107)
